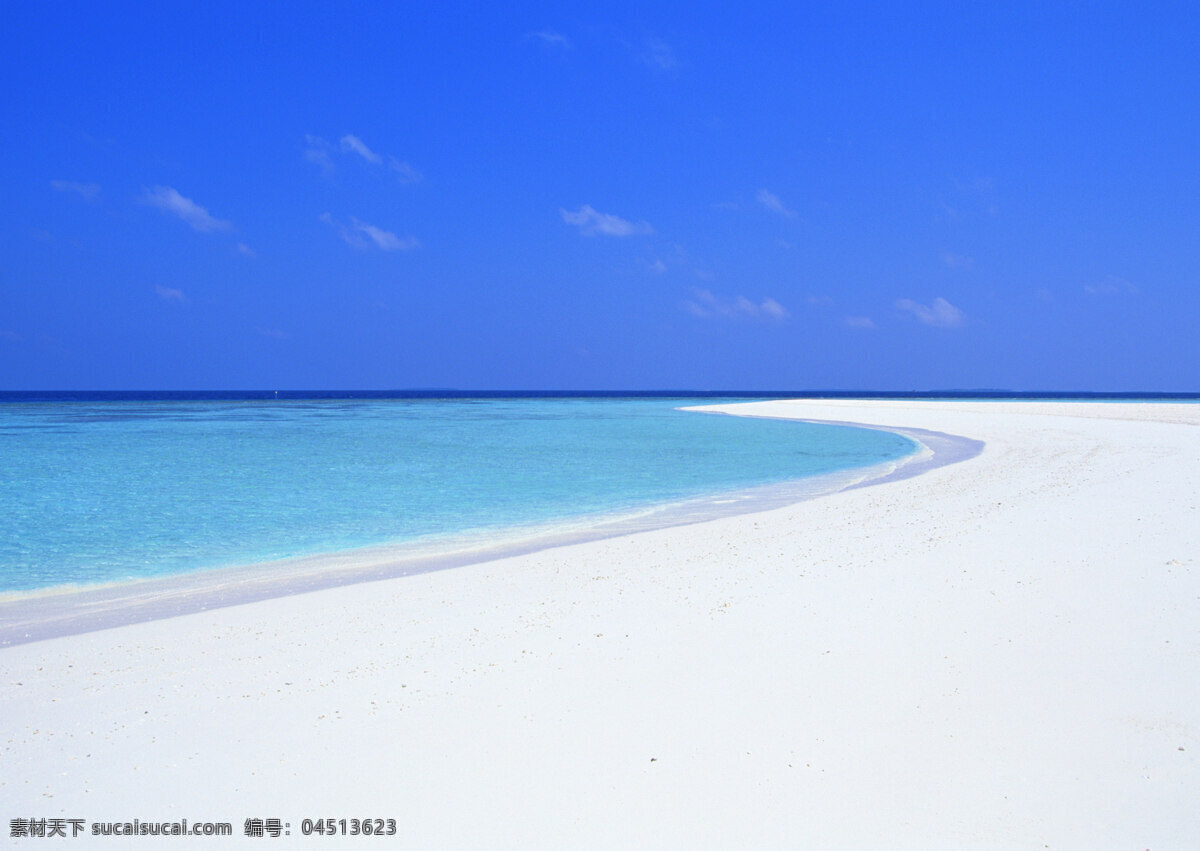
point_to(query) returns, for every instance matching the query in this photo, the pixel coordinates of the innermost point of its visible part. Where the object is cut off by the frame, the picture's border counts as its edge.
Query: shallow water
(107, 491)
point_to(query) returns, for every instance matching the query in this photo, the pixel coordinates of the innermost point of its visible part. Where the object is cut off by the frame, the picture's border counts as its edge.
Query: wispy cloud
(11, 336)
(170, 201)
(771, 201)
(938, 313)
(316, 151)
(386, 240)
(862, 322)
(1112, 285)
(246, 250)
(169, 294)
(348, 235)
(272, 333)
(360, 234)
(87, 191)
(352, 143)
(820, 300)
(405, 172)
(591, 222)
(770, 307)
(551, 38)
(706, 305)
(957, 261)
(658, 267)
(658, 54)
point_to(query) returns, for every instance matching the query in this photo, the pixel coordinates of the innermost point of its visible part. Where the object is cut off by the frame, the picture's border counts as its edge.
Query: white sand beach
(998, 653)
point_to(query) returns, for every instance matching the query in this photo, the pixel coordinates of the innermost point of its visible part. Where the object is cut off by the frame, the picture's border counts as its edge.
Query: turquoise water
(108, 491)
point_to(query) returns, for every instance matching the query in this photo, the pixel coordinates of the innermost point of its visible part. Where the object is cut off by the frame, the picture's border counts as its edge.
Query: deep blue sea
(99, 489)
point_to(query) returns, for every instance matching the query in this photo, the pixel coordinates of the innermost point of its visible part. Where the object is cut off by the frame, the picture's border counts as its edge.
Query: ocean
(107, 488)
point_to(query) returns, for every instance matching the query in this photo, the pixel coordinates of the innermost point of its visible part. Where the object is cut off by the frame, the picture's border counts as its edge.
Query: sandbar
(996, 653)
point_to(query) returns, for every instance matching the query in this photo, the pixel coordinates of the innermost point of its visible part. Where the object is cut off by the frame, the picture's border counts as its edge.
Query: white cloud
(11, 336)
(591, 222)
(770, 307)
(348, 235)
(319, 157)
(273, 333)
(1112, 285)
(386, 240)
(169, 294)
(404, 171)
(820, 300)
(863, 322)
(356, 145)
(771, 201)
(551, 38)
(939, 313)
(353, 235)
(317, 153)
(658, 267)
(243, 248)
(705, 304)
(957, 261)
(87, 191)
(169, 201)
(658, 54)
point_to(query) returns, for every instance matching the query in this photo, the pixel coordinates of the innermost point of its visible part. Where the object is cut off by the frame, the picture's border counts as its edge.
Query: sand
(998, 653)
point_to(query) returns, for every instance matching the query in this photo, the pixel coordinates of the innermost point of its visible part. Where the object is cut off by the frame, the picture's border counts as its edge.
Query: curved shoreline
(944, 448)
(996, 655)
(63, 611)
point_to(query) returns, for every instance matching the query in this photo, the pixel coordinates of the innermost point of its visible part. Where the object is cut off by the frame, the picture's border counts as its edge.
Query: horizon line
(957, 391)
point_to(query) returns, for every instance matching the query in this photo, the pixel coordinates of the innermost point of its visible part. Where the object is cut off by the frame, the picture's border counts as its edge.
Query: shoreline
(989, 655)
(59, 611)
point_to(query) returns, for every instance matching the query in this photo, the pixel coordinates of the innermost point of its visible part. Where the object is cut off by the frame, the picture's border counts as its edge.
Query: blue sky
(613, 196)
